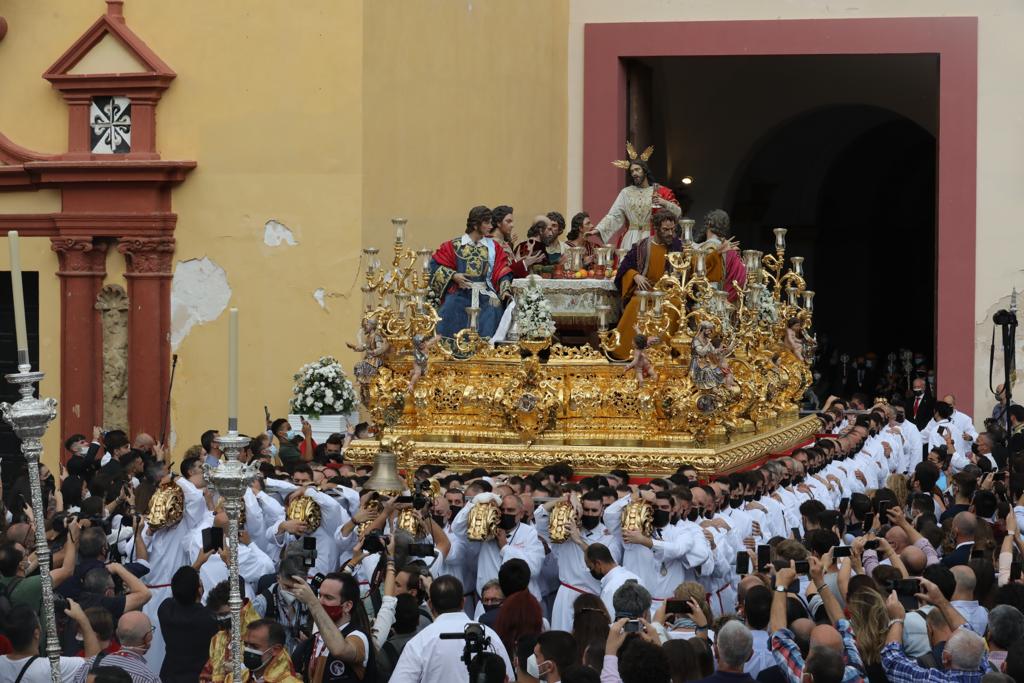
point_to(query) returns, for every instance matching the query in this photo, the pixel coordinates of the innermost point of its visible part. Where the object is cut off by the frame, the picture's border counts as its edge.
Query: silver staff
(29, 417)
(231, 478)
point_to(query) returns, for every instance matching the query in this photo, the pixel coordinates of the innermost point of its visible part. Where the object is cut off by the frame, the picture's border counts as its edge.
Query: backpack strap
(24, 669)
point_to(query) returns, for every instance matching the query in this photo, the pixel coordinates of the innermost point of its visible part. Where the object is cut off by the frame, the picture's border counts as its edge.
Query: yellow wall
(464, 103)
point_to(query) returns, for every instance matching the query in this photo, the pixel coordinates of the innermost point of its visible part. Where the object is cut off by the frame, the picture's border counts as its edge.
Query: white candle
(20, 330)
(233, 370)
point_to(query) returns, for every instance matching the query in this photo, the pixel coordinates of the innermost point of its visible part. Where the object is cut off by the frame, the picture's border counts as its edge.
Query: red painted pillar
(149, 327)
(81, 273)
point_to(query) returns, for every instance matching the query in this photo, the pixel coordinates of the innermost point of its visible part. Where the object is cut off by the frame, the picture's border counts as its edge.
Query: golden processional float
(718, 386)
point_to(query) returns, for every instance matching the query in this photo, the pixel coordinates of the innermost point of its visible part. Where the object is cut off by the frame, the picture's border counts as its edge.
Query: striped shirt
(130, 661)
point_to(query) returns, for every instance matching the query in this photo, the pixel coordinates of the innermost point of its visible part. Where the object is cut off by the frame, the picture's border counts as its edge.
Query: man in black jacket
(921, 404)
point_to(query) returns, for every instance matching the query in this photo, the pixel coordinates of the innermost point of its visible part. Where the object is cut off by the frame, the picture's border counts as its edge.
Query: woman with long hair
(897, 483)
(870, 622)
(590, 622)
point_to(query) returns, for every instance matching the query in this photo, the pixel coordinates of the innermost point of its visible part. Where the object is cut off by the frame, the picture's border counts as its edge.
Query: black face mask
(872, 432)
(900, 419)
(252, 660)
(798, 480)
(735, 502)
(661, 518)
(785, 482)
(589, 522)
(491, 608)
(708, 513)
(455, 510)
(438, 519)
(974, 449)
(918, 392)
(508, 522)
(694, 514)
(691, 482)
(596, 575)
(748, 498)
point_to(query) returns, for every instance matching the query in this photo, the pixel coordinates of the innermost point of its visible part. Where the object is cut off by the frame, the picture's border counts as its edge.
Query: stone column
(149, 326)
(81, 272)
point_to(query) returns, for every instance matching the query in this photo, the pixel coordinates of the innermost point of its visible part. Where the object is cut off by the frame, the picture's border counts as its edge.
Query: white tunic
(632, 207)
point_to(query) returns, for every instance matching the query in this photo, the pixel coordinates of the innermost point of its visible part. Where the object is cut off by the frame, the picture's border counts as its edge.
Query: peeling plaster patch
(199, 294)
(274, 234)
(319, 295)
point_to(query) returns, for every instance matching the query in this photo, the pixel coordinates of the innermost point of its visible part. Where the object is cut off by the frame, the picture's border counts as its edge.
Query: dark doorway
(9, 443)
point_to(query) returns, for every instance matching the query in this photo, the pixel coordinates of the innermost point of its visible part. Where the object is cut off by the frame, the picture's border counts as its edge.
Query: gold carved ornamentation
(725, 390)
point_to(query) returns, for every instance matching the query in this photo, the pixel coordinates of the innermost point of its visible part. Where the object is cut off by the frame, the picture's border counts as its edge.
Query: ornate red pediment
(149, 73)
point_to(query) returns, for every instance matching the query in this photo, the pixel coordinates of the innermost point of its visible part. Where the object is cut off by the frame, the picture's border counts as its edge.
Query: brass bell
(385, 479)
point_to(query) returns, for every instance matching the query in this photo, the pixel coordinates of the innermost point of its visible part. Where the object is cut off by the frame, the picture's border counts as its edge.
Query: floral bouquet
(534, 319)
(321, 388)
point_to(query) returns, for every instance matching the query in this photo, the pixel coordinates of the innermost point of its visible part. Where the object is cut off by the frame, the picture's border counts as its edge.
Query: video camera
(476, 639)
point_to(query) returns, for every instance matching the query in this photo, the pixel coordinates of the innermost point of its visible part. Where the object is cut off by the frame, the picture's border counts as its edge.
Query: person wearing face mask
(264, 655)
(921, 403)
(700, 511)
(603, 568)
(574, 576)
(913, 446)
(512, 539)
(671, 555)
(187, 627)
(286, 449)
(135, 633)
(555, 652)
(275, 601)
(341, 650)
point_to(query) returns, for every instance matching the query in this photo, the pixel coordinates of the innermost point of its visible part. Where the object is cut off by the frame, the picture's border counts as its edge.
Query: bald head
(133, 628)
(824, 635)
(965, 582)
(144, 442)
(897, 538)
(965, 524)
(914, 559)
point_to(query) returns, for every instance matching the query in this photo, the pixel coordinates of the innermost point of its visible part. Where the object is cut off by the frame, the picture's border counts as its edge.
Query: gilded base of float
(639, 459)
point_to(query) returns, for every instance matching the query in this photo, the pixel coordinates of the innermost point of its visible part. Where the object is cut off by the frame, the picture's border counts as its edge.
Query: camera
(308, 551)
(476, 639)
(1004, 317)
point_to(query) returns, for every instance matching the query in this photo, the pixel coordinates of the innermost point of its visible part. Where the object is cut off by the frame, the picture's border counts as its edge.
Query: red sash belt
(574, 588)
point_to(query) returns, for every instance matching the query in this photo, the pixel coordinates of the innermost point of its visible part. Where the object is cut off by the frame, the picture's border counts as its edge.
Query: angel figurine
(420, 346)
(793, 339)
(373, 347)
(641, 364)
(709, 362)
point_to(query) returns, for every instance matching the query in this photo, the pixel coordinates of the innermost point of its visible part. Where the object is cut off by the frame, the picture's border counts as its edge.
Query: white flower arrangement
(534, 319)
(321, 388)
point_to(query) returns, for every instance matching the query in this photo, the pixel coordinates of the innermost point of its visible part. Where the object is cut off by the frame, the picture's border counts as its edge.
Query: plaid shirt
(131, 662)
(789, 659)
(899, 668)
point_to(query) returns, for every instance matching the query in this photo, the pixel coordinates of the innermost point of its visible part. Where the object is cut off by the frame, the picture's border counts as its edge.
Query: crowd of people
(881, 551)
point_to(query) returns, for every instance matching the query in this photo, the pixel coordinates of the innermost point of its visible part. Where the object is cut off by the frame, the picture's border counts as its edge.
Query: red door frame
(953, 39)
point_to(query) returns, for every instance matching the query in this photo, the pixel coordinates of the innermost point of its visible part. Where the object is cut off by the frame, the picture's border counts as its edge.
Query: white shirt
(763, 657)
(427, 659)
(611, 582)
(39, 671)
(912, 445)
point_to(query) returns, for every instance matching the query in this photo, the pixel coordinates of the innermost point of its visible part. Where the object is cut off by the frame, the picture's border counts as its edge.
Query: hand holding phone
(742, 563)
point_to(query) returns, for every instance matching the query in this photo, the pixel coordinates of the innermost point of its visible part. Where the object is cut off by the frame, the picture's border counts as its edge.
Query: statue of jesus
(629, 219)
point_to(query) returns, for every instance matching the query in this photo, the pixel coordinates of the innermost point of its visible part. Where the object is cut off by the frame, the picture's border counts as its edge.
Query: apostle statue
(724, 264)
(640, 270)
(541, 247)
(470, 271)
(629, 219)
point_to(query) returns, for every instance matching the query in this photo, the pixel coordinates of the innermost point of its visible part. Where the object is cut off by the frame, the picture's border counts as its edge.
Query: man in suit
(921, 405)
(1016, 443)
(964, 526)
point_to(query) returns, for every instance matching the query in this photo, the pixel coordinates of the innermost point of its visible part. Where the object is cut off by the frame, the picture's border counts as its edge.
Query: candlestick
(20, 330)
(687, 224)
(798, 265)
(399, 224)
(701, 268)
(233, 370)
(780, 239)
(808, 300)
(29, 417)
(231, 479)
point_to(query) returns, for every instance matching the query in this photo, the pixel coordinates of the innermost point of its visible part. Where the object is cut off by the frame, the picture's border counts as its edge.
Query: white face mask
(531, 666)
(287, 596)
